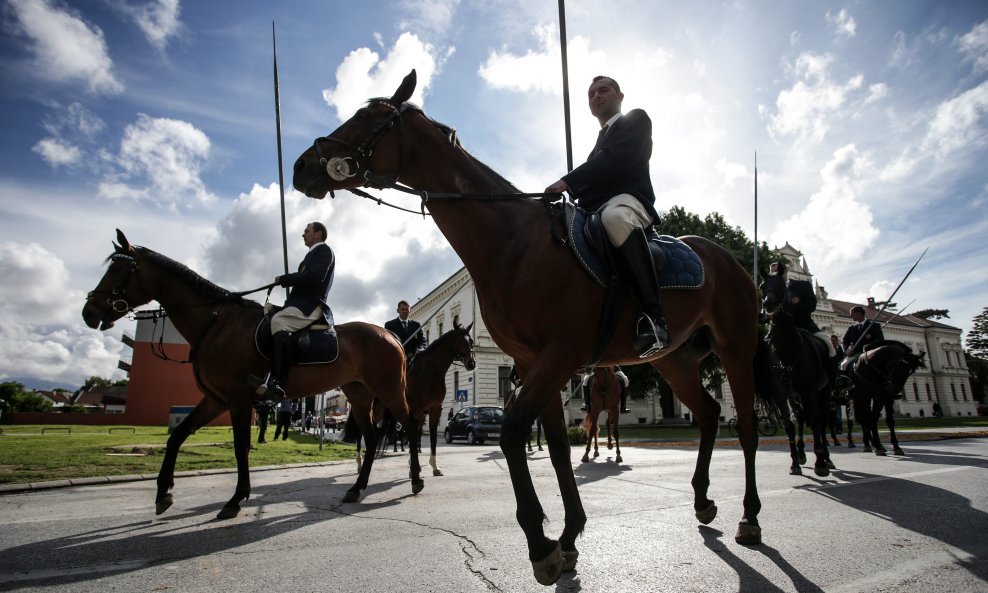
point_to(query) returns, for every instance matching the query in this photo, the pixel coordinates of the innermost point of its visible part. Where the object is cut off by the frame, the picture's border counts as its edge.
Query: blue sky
(157, 117)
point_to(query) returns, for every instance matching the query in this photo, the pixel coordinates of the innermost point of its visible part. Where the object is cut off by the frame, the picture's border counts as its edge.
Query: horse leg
(414, 468)
(819, 421)
(890, 422)
(617, 441)
(538, 434)
(596, 435)
(876, 412)
(545, 554)
(800, 444)
(240, 417)
(794, 468)
(207, 409)
(610, 445)
(590, 437)
(433, 436)
(850, 427)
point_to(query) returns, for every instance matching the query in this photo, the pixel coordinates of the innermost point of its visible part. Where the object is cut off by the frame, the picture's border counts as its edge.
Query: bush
(576, 435)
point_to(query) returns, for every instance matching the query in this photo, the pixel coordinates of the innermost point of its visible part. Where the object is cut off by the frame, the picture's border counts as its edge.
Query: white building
(945, 379)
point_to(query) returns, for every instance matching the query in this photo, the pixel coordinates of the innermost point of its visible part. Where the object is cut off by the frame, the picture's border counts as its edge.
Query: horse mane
(202, 286)
(442, 339)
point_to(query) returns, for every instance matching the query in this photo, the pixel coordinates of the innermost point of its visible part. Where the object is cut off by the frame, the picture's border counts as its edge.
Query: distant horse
(509, 398)
(802, 357)
(605, 395)
(219, 327)
(534, 297)
(878, 375)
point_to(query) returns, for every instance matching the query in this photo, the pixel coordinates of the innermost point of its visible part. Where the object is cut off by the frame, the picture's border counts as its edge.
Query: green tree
(977, 338)
(95, 381)
(19, 399)
(932, 314)
(979, 375)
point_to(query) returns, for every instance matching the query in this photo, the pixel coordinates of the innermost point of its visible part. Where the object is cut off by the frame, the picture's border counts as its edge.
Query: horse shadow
(137, 545)
(593, 471)
(749, 578)
(934, 457)
(948, 519)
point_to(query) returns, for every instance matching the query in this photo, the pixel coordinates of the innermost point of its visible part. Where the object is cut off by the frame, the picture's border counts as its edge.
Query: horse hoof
(162, 504)
(830, 465)
(866, 449)
(708, 514)
(748, 534)
(351, 496)
(795, 471)
(851, 445)
(569, 560)
(619, 459)
(585, 459)
(228, 512)
(802, 459)
(417, 486)
(437, 472)
(881, 452)
(898, 451)
(548, 569)
(609, 446)
(596, 454)
(822, 471)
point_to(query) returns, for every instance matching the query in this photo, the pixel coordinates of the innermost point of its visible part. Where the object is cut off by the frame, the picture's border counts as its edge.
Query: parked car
(476, 424)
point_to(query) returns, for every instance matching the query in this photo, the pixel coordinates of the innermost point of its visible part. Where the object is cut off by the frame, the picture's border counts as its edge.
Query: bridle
(343, 168)
(116, 299)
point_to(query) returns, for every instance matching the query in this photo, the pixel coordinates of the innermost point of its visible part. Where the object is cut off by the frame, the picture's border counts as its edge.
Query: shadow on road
(749, 579)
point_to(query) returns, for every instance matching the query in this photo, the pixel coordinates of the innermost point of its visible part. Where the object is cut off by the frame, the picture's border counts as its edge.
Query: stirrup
(658, 344)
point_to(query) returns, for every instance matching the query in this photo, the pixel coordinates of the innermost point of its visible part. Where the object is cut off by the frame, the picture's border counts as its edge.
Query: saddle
(316, 344)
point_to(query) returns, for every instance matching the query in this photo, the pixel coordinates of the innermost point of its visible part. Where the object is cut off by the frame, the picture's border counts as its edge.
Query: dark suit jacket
(310, 285)
(619, 165)
(801, 303)
(394, 326)
(873, 335)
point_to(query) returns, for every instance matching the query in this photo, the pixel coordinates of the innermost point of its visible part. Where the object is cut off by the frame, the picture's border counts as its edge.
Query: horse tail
(351, 432)
(389, 426)
(768, 388)
(587, 423)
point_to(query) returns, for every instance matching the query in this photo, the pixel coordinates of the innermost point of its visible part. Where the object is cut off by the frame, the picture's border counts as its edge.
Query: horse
(605, 395)
(801, 358)
(532, 291)
(878, 375)
(219, 327)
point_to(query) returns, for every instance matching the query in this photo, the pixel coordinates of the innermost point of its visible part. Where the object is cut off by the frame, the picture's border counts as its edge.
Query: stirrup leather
(657, 345)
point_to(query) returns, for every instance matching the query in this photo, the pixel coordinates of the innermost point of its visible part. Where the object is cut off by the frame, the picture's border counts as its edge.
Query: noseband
(117, 298)
(343, 168)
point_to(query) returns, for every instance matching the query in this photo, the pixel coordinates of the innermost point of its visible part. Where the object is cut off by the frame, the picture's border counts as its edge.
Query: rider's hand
(556, 188)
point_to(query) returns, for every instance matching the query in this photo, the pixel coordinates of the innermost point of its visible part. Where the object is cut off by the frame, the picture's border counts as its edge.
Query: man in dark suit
(404, 328)
(306, 304)
(615, 182)
(853, 341)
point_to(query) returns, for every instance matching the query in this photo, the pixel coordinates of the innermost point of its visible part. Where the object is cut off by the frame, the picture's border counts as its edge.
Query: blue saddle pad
(683, 267)
(319, 347)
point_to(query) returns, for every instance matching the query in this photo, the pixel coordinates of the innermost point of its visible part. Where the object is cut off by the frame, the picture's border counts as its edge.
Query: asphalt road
(898, 524)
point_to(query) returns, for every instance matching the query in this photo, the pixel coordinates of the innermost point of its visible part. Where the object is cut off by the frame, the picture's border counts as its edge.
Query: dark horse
(605, 396)
(219, 327)
(801, 358)
(531, 289)
(878, 375)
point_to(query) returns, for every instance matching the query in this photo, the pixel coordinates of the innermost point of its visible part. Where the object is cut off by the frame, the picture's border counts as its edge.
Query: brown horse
(879, 375)
(541, 307)
(219, 327)
(605, 395)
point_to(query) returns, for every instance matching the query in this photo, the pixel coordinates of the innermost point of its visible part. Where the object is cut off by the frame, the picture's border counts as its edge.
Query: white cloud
(842, 23)
(959, 122)
(157, 19)
(74, 120)
(835, 225)
(65, 47)
(876, 92)
(974, 46)
(167, 155)
(805, 110)
(58, 153)
(34, 285)
(363, 74)
(430, 16)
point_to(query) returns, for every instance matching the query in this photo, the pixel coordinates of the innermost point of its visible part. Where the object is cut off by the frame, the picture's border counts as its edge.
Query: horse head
(119, 291)
(463, 346)
(359, 151)
(773, 290)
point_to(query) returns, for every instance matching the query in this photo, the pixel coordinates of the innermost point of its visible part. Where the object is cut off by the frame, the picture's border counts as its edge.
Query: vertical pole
(562, 51)
(281, 167)
(754, 267)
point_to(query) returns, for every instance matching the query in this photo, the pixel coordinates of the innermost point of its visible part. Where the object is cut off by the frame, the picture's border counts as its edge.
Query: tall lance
(562, 53)
(281, 167)
(898, 313)
(854, 347)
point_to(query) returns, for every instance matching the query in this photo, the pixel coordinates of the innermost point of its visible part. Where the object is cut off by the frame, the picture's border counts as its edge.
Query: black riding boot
(281, 358)
(624, 399)
(653, 335)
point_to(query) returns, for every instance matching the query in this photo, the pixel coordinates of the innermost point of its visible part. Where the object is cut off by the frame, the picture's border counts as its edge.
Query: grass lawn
(35, 453)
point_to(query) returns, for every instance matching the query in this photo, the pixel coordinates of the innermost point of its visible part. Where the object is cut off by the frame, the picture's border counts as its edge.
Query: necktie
(404, 323)
(600, 139)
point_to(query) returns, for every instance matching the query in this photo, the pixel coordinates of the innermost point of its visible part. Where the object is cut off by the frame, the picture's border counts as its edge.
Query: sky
(157, 117)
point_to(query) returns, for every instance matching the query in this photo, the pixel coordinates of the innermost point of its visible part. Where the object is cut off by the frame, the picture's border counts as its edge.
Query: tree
(19, 399)
(977, 338)
(95, 381)
(979, 375)
(932, 314)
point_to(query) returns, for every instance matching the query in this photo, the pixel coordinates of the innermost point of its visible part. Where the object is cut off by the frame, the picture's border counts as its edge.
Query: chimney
(871, 302)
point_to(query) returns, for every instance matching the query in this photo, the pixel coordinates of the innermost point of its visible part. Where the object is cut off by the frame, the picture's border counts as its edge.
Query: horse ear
(404, 92)
(467, 329)
(124, 243)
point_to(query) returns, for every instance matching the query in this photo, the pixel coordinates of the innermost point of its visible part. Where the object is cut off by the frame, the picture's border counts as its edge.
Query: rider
(623, 381)
(404, 328)
(306, 304)
(864, 332)
(801, 303)
(615, 182)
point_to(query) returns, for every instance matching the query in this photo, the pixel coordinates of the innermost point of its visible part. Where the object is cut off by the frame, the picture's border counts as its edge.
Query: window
(503, 381)
(929, 396)
(963, 392)
(915, 392)
(953, 391)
